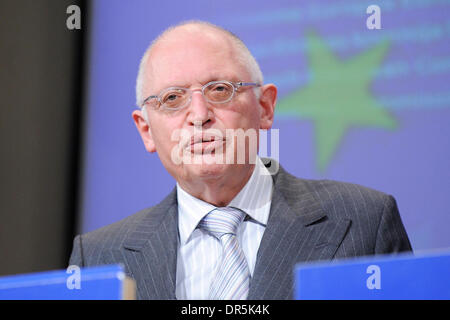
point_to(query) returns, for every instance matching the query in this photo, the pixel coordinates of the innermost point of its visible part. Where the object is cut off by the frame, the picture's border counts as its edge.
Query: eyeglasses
(176, 98)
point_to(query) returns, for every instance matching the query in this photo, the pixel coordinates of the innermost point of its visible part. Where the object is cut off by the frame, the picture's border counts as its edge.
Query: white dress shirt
(199, 252)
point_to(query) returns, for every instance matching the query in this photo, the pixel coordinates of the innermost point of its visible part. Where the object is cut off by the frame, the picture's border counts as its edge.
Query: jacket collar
(151, 251)
(298, 230)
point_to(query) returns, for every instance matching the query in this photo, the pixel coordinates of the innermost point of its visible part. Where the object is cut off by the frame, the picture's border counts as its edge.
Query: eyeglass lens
(216, 92)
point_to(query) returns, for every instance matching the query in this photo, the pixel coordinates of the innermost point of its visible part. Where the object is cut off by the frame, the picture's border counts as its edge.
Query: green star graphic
(337, 97)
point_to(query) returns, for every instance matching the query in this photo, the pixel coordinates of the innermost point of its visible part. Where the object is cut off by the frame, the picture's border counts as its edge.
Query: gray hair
(243, 55)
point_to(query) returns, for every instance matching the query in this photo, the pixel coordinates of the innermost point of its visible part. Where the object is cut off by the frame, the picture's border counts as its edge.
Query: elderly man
(230, 229)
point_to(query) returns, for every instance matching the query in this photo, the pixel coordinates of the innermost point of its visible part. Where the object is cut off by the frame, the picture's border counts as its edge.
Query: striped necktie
(231, 281)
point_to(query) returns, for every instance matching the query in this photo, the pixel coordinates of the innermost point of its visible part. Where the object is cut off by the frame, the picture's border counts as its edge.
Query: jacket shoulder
(349, 195)
(338, 199)
(91, 248)
(375, 224)
(113, 234)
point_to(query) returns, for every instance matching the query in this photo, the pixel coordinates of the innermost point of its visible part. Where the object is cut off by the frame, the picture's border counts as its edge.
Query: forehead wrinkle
(223, 45)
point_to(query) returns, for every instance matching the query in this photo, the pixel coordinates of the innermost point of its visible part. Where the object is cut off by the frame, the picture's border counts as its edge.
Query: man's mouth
(205, 143)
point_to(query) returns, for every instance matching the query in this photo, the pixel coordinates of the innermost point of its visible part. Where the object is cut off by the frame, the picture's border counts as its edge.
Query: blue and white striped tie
(233, 276)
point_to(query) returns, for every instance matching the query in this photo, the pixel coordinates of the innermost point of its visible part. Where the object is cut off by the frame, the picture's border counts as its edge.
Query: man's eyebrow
(171, 85)
(226, 78)
(180, 84)
(202, 83)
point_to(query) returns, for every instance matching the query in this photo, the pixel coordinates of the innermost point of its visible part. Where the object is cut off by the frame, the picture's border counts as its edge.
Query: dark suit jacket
(309, 220)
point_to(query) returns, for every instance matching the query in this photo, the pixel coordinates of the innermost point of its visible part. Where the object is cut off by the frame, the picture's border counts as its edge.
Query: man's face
(191, 60)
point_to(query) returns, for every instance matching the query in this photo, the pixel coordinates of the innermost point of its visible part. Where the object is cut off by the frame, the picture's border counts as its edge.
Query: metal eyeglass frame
(235, 85)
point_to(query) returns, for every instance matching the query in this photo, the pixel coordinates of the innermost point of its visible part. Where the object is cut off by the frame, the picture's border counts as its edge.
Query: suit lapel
(297, 231)
(151, 251)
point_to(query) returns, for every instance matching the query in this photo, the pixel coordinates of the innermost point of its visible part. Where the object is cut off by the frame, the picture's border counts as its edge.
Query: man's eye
(172, 97)
(220, 88)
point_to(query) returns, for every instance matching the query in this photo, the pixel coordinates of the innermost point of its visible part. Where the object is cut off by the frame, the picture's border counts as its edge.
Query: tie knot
(220, 221)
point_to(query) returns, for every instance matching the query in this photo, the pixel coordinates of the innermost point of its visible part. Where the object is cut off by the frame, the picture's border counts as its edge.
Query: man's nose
(199, 110)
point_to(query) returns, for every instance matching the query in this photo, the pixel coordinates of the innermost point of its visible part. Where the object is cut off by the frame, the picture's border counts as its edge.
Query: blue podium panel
(104, 282)
(393, 277)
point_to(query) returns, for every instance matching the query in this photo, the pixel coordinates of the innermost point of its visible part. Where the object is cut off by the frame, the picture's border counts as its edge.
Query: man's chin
(210, 166)
(207, 169)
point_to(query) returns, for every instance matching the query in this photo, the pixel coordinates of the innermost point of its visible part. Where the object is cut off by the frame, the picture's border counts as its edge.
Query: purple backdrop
(411, 83)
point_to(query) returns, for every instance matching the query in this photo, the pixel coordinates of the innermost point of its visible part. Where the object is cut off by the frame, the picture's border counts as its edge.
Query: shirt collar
(254, 199)
(190, 212)
(256, 196)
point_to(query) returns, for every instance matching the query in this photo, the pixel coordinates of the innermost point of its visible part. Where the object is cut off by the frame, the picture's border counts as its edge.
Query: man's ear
(144, 130)
(267, 100)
